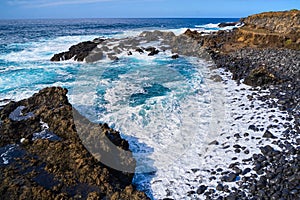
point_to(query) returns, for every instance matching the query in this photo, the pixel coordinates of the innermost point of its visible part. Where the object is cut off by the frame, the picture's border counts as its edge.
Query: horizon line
(65, 18)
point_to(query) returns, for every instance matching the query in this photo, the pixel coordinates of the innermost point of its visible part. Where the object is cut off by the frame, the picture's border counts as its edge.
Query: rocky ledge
(44, 145)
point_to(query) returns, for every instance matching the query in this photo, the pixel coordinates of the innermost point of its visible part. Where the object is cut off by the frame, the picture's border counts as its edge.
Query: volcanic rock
(78, 51)
(70, 165)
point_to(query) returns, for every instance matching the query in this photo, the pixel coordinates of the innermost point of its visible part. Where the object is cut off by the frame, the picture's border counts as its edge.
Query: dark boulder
(139, 50)
(268, 134)
(78, 51)
(260, 76)
(153, 51)
(201, 189)
(175, 56)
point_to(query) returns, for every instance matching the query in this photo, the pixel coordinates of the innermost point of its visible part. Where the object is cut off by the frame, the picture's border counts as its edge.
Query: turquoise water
(157, 103)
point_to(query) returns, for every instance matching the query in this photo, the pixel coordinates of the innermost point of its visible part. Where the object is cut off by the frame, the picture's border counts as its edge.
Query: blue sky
(16, 9)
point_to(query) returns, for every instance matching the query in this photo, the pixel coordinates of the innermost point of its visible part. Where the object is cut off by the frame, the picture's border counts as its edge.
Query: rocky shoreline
(263, 54)
(43, 156)
(275, 169)
(274, 77)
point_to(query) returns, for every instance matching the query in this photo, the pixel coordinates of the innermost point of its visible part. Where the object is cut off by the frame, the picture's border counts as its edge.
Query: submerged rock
(58, 154)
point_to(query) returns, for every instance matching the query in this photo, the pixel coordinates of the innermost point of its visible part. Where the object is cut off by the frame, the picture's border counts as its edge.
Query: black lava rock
(201, 189)
(268, 134)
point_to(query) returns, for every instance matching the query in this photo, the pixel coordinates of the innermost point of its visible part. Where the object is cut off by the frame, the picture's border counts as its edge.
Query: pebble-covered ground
(263, 141)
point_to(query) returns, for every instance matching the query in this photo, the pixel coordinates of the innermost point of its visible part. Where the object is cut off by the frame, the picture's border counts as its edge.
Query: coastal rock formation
(285, 22)
(43, 154)
(78, 52)
(113, 49)
(260, 76)
(265, 30)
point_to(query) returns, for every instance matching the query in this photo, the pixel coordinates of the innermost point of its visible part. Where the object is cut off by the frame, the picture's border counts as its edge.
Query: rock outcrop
(112, 49)
(79, 51)
(44, 145)
(265, 30)
(286, 22)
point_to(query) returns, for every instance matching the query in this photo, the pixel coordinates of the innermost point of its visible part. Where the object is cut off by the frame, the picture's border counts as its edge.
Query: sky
(31, 9)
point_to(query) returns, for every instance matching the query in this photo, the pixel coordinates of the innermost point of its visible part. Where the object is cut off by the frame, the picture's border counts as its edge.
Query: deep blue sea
(160, 105)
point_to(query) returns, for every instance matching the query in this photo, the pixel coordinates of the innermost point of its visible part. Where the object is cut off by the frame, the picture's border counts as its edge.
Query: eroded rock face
(43, 156)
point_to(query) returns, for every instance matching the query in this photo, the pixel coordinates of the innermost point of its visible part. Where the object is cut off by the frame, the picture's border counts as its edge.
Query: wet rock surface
(43, 156)
(275, 69)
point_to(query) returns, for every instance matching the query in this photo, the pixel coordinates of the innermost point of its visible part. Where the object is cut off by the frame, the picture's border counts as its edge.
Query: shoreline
(260, 141)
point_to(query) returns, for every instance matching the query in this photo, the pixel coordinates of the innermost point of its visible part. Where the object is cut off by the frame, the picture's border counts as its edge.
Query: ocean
(162, 106)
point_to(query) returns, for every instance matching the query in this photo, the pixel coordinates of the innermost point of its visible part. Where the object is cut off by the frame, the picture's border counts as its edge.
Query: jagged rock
(78, 51)
(264, 30)
(282, 22)
(64, 167)
(139, 50)
(193, 34)
(268, 134)
(175, 56)
(153, 51)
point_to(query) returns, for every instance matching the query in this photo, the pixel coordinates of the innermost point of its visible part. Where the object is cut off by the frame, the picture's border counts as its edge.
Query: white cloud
(48, 3)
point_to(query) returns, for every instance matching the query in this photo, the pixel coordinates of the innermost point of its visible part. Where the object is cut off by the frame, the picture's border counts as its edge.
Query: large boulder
(260, 76)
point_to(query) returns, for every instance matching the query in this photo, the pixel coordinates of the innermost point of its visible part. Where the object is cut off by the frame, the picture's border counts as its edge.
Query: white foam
(166, 126)
(210, 25)
(44, 49)
(177, 148)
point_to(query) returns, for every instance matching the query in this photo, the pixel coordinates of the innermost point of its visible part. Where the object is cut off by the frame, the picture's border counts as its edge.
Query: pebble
(201, 189)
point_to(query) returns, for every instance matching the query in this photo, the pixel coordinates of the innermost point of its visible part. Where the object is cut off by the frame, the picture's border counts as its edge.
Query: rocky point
(43, 156)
